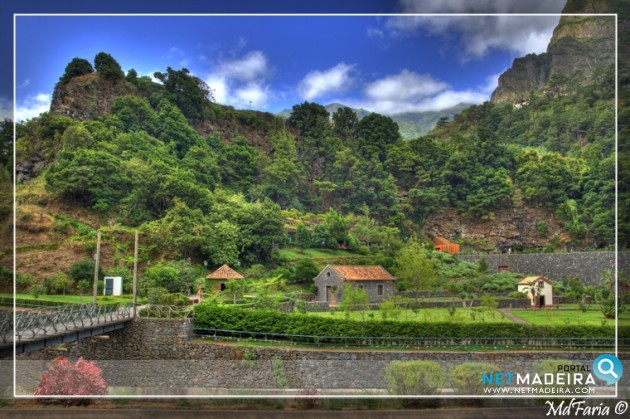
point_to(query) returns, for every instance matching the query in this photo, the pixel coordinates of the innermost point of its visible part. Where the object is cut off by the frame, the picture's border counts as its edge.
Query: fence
(166, 312)
(47, 321)
(412, 342)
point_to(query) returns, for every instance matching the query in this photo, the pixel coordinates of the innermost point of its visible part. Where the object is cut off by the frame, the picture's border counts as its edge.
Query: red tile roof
(225, 272)
(532, 279)
(363, 273)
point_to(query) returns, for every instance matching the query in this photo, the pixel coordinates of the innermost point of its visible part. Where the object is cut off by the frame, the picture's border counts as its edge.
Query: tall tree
(414, 269)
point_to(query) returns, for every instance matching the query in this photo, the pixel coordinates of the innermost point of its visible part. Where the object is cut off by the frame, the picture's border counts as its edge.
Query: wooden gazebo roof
(225, 272)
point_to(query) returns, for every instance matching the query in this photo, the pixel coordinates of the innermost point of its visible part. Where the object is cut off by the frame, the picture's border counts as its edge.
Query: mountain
(580, 53)
(411, 124)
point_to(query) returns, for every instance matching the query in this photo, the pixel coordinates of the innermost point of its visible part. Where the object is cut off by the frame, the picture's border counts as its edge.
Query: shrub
(24, 281)
(37, 290)
(414, 377)
(155, 294)
(466, 377)
(84, 270)
(67, 379)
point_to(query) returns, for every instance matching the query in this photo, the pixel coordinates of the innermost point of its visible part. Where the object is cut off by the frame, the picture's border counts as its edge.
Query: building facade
(375, 280)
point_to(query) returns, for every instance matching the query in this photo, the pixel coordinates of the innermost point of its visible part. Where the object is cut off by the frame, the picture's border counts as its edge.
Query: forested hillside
(208, 182)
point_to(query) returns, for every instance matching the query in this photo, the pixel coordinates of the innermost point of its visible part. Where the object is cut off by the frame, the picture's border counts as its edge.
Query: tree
(222, 243)
(376, 134)
(187, 92)
(354, 297)
(235, 289)
(67, 379)
(168, 277)
(302, 237)
(61, 282)
(108, 67)
(76, 67)
(414, 269)
(84, 270)
(346, 124)
(93, 178)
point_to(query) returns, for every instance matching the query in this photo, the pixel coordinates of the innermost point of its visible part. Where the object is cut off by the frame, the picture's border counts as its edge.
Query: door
(109, 286)
(541, 301)
(328, 293)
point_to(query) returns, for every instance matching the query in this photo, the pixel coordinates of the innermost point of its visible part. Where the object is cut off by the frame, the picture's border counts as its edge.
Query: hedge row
(210, 316)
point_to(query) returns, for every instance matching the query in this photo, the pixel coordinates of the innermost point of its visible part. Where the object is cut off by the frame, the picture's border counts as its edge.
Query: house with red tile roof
(375, 280)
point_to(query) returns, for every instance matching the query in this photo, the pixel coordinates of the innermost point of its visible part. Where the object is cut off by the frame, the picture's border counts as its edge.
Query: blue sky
(384, 64)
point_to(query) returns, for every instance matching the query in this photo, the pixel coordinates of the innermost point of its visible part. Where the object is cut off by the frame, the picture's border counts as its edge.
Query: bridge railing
(31, 324)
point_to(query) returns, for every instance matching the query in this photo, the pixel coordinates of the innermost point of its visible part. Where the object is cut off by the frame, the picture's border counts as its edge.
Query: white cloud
(241, 82)
(412, 92)
(24, 84)
(252, 95)
(404, 86)
(251, 66)
(318, 83)
(6, 108)
(477, 35)
(32, 106)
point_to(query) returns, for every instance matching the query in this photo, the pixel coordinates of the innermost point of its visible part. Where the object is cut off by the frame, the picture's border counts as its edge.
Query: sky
(382, 63)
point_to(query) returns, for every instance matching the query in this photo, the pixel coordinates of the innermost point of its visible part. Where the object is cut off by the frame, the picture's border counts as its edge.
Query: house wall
(371, 287)
(546, 291)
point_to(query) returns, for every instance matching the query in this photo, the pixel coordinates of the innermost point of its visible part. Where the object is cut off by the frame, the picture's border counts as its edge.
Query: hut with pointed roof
(218, 278)
(375, 280)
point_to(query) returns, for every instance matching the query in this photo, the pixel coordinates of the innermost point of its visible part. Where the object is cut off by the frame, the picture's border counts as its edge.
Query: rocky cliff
(89, 96)
(581, 50)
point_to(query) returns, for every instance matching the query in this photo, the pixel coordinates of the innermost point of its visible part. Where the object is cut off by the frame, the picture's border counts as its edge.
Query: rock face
(510, 227)
(89, 96)
(581, 50)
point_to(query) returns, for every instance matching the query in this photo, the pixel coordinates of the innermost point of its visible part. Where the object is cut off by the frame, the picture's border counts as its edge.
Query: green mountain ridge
(411, 124)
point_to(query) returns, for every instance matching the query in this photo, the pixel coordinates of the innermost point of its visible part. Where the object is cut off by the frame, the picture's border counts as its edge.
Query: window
(360, 286)
(327, 273)
(379, 289)
(541, 284)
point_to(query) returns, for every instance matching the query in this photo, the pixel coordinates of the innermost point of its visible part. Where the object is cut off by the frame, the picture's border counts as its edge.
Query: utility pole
(135, 274)
(97, 258)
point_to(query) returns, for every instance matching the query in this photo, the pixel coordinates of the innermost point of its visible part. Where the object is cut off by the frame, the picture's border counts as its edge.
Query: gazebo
(218, 278)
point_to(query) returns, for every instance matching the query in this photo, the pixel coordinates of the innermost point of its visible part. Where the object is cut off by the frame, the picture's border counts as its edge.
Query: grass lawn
(315, 254)
(74, 299)
(424, 315)
(568, 317)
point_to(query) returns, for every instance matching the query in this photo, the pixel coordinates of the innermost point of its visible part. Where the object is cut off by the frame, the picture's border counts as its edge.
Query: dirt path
(511, 316)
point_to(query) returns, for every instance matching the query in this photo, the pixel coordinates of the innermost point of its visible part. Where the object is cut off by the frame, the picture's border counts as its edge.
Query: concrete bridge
(41, 327)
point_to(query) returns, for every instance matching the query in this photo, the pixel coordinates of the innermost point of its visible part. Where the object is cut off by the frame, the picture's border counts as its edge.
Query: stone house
(538, 289)
(375, 280)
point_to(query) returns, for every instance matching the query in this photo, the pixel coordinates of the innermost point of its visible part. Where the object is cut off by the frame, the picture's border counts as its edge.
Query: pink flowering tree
(65, 378)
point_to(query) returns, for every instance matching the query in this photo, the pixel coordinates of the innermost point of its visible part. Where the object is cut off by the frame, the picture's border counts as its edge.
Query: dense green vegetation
(210, 316)
(204, 197)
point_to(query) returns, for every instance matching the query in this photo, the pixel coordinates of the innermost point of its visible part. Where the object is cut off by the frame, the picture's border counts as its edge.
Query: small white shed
(113, 286)
(539, 290)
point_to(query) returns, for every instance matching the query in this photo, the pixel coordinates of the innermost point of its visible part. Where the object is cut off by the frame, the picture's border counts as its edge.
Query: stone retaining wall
(587, 266)
(163, 355)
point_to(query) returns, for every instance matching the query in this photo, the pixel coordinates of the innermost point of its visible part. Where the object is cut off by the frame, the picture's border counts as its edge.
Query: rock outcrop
(581, 50)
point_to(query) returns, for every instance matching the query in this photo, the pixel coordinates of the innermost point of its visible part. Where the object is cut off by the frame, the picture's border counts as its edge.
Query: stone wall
(587, 266)
(153, 356)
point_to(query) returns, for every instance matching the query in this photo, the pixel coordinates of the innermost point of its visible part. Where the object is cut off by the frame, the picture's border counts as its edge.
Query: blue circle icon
(608, 368)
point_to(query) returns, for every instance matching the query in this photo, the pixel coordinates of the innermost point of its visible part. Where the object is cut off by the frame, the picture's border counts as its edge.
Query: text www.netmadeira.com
(539, 390)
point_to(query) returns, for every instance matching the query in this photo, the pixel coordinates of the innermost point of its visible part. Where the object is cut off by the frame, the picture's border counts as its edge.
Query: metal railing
(414, 342)
(166, 311)
(49, 321)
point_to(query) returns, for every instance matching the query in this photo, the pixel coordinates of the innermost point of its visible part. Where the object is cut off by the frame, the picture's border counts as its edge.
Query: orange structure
(440, 244)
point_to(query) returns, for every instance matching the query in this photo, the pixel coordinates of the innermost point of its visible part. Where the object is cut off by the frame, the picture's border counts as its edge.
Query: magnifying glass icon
(610, 370)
